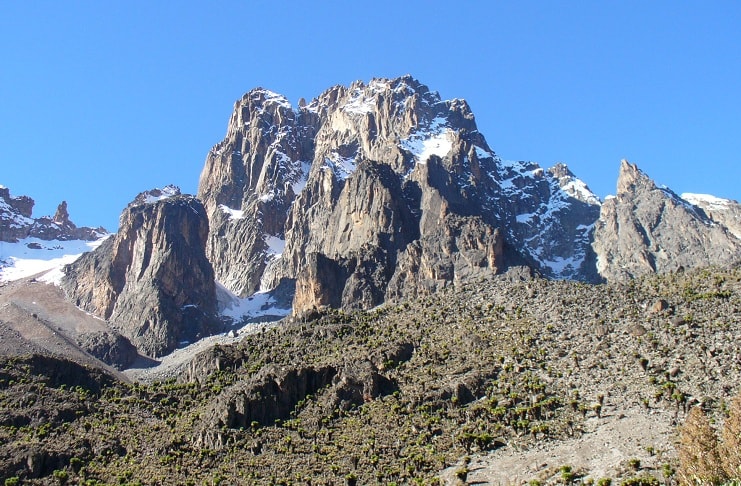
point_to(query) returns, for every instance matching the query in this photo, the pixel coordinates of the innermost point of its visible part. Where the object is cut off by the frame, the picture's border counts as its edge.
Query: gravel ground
(605, 449)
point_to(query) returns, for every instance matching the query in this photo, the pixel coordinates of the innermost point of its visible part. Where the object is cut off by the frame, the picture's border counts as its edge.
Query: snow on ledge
(161, 194)
(439, 144)
(708, 201)
(579, 190)
(233, 213)
(275, 245)
(341, 166)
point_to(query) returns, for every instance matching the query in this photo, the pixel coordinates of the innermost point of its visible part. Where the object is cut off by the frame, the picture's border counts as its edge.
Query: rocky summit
(368, 194)
(649, 229)
(381, 191)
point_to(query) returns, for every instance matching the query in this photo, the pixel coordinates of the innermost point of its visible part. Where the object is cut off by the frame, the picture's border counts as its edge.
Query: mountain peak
(61, 217)
(631, 178)
(647, 229)
(151, 280)
(377, 175)
(154, 195)
(262, 96)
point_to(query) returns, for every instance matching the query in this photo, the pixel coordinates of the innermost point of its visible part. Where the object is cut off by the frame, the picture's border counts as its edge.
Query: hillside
(510, 364)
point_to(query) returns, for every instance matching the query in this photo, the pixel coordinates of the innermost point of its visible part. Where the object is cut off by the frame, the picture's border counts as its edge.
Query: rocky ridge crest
(17, 223)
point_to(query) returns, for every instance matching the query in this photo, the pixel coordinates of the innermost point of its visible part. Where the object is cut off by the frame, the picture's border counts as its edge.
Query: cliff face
(380, 191)
(647, 229)
(152, 280)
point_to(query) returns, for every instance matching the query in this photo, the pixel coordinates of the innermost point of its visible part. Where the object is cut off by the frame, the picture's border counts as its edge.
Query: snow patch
(31, 256)
(579, 190)
(233, 213)
(275, 98)
(275, 245)
(559, 265)
(379, 84)
(160, 194)
(300, 183)
(260, 304)
(341, 166)
(12, 218)
(435, 140)
(707, 201)
(482, 154)
(359, 104)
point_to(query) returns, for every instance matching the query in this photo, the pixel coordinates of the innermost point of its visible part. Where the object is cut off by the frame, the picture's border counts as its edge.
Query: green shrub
(642, 481)
(61, 476)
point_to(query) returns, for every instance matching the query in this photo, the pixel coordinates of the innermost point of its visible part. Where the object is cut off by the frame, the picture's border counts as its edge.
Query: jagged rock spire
(648, 229)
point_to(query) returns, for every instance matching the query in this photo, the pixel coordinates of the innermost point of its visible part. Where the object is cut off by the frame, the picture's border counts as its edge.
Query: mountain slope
(509, 364)
(722, 211)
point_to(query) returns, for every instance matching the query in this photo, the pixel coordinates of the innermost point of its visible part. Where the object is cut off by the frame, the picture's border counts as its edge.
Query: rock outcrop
(152, 280)
(109, 347)
(275, 392)
(649, 229)
(381, 191)
(16, 222)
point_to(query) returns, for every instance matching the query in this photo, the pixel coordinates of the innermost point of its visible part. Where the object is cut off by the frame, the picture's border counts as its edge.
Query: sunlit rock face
(650, 229)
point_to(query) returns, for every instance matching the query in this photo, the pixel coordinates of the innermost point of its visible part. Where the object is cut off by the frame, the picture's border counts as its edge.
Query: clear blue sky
(101, 100)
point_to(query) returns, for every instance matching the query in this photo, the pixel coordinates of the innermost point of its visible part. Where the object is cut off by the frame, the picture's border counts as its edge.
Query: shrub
(730, 447)
(698, 451)
(60, 475)
(641, 481)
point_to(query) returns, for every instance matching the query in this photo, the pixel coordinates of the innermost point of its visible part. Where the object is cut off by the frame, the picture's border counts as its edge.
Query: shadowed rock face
(648, 229)
(380, 191)
(152, 280)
